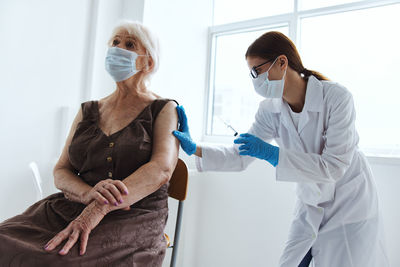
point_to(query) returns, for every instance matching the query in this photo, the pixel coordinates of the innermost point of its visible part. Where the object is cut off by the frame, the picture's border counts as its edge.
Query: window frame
(292, 21)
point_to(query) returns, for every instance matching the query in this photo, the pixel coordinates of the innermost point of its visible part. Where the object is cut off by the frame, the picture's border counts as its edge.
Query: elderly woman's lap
(123, 238)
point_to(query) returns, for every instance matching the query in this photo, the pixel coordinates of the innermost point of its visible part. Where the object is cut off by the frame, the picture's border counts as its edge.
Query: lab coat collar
(314, 95)
(313, 101)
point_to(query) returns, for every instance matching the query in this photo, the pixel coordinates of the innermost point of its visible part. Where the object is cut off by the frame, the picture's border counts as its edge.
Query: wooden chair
(177, 190)
(37, 180)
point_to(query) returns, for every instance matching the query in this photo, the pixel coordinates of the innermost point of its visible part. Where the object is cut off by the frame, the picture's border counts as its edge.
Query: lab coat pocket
(351, 184)
(308, 193)
(327, 192)
(353, 199)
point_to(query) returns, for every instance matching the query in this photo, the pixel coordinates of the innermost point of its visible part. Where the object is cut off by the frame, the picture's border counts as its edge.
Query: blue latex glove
(183, 134)
(255, 147)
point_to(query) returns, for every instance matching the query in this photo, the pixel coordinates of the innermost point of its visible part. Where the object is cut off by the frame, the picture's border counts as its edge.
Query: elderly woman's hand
(106, 192)
(79, 228)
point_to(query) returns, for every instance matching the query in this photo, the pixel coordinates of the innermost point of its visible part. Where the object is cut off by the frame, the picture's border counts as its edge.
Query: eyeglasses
(254, 72)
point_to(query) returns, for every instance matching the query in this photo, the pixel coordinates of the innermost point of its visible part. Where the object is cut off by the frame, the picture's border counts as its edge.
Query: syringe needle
(229, 126)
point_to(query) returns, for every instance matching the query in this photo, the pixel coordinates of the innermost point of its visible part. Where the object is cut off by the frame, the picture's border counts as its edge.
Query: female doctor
(336, 221)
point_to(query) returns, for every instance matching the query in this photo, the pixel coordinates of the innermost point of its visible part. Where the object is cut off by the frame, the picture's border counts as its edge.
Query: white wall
(52, 56)
(182, 28)
(109, 14)
(42, 46)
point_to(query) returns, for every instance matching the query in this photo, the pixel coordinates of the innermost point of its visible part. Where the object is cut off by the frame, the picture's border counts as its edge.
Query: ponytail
(307, 73)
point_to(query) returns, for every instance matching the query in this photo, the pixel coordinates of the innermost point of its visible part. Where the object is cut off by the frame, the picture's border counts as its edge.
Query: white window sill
(386, 160)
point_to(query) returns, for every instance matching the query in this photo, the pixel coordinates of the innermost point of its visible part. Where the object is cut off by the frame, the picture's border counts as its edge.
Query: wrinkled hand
(79, 228)
(183, 134)
(106, 192)
(255, 147)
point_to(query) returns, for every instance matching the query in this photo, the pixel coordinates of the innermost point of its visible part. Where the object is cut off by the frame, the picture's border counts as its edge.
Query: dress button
(110, 174)
(111, 144)
(109, 159)
(313, 236)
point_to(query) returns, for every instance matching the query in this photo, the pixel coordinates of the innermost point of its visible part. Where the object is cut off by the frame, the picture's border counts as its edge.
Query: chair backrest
(179, 181)
(37, 180)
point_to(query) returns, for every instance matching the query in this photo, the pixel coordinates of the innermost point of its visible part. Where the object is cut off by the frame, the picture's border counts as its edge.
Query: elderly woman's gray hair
(144, 36)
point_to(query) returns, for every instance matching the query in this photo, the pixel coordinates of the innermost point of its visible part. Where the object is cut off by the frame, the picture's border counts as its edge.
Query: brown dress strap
(90, 111)
(159, 104)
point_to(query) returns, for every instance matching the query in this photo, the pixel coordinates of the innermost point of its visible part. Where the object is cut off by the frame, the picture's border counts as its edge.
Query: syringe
(229, 126)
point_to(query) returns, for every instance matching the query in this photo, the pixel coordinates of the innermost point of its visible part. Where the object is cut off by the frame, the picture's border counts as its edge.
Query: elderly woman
(113, 174)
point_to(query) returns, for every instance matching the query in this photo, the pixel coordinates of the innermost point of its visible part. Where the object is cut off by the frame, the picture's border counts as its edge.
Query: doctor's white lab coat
(336, 213)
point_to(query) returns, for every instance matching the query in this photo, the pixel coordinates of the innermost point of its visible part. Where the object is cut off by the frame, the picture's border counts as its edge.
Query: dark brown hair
(272, 44)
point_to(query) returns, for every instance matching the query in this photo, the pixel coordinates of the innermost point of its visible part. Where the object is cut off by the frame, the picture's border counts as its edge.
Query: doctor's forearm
(199, 151)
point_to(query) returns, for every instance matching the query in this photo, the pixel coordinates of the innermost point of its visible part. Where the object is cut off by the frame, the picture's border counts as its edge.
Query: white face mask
(269, 89)
(121, 63)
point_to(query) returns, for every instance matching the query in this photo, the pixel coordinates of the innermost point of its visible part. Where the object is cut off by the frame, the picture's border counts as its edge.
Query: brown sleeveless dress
(122, 238)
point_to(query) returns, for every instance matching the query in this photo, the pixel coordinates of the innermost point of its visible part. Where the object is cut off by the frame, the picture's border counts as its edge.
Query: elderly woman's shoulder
(164, 109)
(166, 105)
(168, 101)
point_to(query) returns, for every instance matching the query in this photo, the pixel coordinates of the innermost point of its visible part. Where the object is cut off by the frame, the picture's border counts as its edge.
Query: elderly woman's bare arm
(74, 188)
(64, 177)
(152, 175)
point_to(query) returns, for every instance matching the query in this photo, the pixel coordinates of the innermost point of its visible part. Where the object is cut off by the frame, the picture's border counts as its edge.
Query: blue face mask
(121, 63)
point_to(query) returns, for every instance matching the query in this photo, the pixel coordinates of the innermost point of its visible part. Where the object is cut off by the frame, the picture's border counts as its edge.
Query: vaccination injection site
(213, 133)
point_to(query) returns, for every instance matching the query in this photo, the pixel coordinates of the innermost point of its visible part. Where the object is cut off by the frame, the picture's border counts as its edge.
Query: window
(226, 11)
(311, 4)
(353, 43)
(232, 85)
